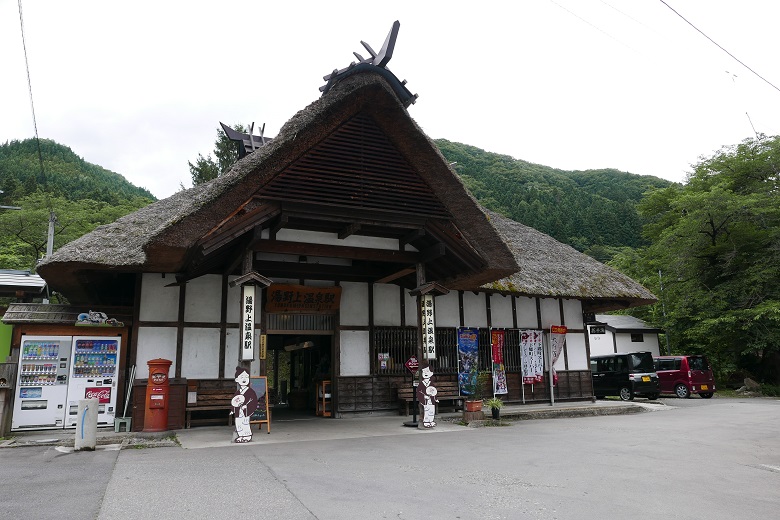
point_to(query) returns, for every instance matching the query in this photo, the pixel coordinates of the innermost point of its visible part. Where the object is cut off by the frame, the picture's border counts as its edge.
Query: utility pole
(663, 311)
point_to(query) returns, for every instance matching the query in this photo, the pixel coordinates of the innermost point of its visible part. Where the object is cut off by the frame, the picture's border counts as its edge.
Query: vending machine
(56, 372)
(42, 383)
(94, 375)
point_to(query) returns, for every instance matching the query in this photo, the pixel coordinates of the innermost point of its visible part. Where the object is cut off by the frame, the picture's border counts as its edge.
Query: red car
(685, 375)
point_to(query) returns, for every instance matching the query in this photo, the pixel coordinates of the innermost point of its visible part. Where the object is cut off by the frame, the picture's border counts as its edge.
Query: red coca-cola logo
(103, 394)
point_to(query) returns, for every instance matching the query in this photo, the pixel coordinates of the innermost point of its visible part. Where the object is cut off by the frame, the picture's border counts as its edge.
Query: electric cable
(721, 47)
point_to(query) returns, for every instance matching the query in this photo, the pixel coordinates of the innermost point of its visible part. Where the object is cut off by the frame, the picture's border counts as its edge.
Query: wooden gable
(353, 182)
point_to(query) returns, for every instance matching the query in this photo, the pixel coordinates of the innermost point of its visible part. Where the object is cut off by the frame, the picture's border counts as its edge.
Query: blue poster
(468, 354)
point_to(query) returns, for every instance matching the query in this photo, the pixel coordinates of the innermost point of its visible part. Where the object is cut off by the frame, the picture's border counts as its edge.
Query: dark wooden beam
(349, 230)
(396, 275)
(279, 225)
(411, 237)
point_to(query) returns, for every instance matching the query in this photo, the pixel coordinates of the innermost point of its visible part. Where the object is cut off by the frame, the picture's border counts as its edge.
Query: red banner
(499, 371)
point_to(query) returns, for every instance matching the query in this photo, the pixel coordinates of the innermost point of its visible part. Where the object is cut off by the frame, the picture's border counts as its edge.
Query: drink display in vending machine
(94, 375)
(42, 385)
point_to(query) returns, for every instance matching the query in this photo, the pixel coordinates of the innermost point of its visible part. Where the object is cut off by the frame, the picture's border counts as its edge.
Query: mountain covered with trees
(52, 182)
(593, 210)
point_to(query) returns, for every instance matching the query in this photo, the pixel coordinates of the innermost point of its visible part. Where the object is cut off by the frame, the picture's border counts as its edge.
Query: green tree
(208, 168)
(716, 244)
(25, 231)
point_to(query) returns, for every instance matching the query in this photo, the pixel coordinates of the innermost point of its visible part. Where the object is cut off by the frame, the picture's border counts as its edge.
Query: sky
(140, 87)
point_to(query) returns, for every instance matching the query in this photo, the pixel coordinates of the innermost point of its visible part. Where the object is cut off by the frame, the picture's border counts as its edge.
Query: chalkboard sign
(260, 385)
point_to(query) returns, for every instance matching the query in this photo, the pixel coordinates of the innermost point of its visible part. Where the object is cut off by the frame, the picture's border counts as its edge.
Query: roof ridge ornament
(377, 61)
(246, 143)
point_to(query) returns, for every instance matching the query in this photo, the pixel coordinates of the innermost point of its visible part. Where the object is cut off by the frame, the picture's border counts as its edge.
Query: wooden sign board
(262, 415)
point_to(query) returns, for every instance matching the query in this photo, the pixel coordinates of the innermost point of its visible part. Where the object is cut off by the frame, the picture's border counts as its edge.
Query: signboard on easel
(260, 385)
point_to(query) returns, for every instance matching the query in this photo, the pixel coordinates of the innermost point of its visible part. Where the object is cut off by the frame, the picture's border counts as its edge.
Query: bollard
(86, 425)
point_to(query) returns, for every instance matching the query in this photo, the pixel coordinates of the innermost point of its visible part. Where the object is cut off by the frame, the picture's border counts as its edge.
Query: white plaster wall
(501, 311)
(474, 311)
(154, 343)
(572, 314)
(355, 360)
(158, 303)
(411, 309)
(650, 343)
(551, 313)
(575, 350)
(316, 237)
(354, 304)
(447, 310)
(203, 299)
(526, 313)
(601, 344)
(200, 353)
(234, 303)
(387, 305)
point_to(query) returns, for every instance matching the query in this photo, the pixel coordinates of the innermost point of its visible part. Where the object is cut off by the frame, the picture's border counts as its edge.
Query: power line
(721, 48)
(29, 87)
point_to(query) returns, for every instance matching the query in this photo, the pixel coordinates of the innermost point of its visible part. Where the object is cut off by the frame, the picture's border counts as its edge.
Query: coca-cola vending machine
(94, 375)
(42, 384)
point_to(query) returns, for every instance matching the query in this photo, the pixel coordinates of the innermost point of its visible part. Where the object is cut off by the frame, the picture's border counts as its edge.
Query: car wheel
(682, 391)
(626, 394)
(652, 397)
(706, 395)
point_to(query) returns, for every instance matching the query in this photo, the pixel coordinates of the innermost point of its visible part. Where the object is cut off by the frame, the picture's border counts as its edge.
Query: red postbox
(156, 412)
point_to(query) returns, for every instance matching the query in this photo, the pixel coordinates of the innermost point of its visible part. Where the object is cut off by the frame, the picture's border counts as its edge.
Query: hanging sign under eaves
(302, 299)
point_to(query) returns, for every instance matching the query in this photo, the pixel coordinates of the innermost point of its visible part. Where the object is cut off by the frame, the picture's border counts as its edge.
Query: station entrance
(299, 374)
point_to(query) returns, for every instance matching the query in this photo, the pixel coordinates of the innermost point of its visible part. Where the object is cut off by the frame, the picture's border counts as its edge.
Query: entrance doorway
(298, 366)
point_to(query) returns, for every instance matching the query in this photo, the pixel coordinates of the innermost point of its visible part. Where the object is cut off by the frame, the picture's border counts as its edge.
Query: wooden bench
(447, 392)
(209, 395)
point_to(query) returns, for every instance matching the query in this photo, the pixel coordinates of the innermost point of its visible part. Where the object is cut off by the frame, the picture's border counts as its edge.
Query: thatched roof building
(548, 268)
(352, 162)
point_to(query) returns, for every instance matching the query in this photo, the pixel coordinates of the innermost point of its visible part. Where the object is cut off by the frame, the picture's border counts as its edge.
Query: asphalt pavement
(310, 428)
(549, 463)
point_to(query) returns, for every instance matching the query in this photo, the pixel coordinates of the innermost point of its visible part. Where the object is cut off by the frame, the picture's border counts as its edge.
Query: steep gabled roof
(161, 236)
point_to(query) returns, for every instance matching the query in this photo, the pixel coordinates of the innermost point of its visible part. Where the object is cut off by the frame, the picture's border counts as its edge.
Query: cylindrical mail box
(156, 412)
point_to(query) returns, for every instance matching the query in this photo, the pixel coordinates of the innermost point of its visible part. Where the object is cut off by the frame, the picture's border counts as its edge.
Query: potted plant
(473, 388)
(495, 404)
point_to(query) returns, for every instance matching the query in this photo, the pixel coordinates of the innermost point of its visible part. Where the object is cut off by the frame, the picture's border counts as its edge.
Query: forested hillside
(65, 174)
(593, 210)
(79, 195)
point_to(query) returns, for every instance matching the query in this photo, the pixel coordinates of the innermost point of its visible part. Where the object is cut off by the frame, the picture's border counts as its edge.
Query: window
(637, 338)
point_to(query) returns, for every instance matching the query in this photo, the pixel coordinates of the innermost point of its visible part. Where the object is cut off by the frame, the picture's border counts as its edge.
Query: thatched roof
(552, 269)
(162, 236)
(158, 237)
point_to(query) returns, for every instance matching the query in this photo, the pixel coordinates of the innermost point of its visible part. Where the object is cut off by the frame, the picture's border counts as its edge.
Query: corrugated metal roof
(11, 278)
(63, 314)
(623, 323)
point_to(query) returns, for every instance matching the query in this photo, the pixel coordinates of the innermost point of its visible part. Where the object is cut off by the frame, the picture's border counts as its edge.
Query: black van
(624, 375)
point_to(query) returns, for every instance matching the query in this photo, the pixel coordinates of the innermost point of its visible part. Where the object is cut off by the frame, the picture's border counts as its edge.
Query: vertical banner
(247, 323)
(532, 355)
(499, 372)
(468, 354)
(428, 327)
(557, 344)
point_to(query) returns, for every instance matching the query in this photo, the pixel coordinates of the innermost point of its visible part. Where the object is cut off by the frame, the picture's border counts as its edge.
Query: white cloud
(139, 88)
